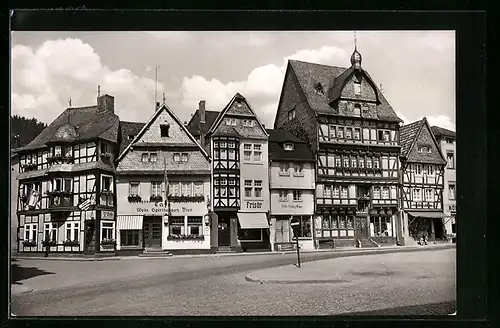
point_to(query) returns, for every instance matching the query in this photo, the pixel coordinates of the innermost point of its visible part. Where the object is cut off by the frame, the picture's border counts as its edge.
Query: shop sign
(452, 207)
(151, 208)
(253, 204)
(107, 215)
(296, 206)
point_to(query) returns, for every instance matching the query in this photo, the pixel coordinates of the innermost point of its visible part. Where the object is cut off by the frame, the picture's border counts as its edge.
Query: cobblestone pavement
(217, 286)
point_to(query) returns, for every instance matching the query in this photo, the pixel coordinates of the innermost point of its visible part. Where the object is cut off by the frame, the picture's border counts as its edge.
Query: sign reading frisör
(253, 204)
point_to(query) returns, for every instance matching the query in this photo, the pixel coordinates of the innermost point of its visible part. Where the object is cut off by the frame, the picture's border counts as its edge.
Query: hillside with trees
(26, 129)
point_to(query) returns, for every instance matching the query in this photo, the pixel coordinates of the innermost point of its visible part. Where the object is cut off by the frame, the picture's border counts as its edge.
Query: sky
(415, 68)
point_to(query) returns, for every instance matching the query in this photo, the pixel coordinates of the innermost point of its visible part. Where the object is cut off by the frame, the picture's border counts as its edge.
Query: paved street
(217, 286)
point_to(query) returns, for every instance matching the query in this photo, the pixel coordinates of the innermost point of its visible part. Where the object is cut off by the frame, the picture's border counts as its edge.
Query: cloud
(442, 121)
(262, 86)
(43, 79)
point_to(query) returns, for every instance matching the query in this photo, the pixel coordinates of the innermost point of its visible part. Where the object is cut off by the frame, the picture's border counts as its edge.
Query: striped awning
(129, 222)
(253, 220)
(428, 215)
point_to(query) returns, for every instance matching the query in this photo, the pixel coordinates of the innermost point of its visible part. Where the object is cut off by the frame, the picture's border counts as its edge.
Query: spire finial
(355, 41)
(69, 101)
(98, 91)
(164, 99)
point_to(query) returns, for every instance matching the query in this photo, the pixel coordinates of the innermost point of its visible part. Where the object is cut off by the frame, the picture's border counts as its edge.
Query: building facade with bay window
(291, 185)
(163, 188)
(354, 134)
(66, 201)
(422, 182)
(238, 144)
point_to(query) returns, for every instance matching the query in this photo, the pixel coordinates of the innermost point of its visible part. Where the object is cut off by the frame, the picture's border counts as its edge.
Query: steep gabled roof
(442, 132)
(417, 132)
(194, 125)
(333, 79)
(218, 120)
(300, 152)
(128, 129)
(162, 108)
(89, 123)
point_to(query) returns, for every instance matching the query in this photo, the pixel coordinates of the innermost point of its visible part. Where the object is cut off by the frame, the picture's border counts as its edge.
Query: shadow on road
(19, 273)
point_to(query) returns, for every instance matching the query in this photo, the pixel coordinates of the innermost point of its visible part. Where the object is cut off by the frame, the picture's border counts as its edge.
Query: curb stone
(287, 282)
(17, 289)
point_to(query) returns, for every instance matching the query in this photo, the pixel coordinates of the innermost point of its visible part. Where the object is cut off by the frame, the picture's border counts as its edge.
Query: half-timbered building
(163, 187)
(237, 141)
(422, 174)
(447, 142)
(291, 185)
(66, 201)
(353, 132)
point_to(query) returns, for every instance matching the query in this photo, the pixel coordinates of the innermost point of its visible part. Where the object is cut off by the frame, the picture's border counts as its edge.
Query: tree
(24, 130)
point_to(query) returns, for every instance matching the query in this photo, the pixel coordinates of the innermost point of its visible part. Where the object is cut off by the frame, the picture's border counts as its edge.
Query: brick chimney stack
(106, 103)
(201, 109)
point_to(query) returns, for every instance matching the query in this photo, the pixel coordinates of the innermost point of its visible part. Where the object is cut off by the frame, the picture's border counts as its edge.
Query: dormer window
(357, 88)
(164, 130)
(318, 88)
(130, 137)
(288, 146)
(231, 121)
(57, 151)
(424, 149)
(291, 114)
(248, 123)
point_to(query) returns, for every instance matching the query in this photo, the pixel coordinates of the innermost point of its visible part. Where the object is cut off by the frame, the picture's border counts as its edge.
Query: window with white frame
(133, 189)
(327, 191)
(176, 225)
(429, 194)
(107, 230)
(336, 191)
(357, 134)
(357, 88)
(343, 192)
(153, 157)
(106, 183)
(72, 231)
(231, 154)
(57, 151)
(129, 237)
(348, 133)
(368, 163)
(361, 162)
(332, 131)
(184, 157)
(338, 161)
(298, 169)
(357, 110)
(156, 188)
(418, 169)
(248, 123)
(417, 194)
(340, 132)
(30, 232)
(247, 152)
(248, 188)
(283, 195)
(450, 160)
(177, 157)
(385, 192)
(231, 121)
(346, 161)
(145, 157)
(174, 188)
(354, 163)
(297, 195)
(284, 169)
(186, 188)
(451, 191)
(376, 192)
(198, 188)
(50, 232)
(430, 169)
(376, 162)
(258, 188)
(257, 153)
(195, 225)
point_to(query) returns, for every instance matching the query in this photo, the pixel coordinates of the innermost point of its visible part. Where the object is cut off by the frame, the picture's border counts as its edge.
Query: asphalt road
(216, 286)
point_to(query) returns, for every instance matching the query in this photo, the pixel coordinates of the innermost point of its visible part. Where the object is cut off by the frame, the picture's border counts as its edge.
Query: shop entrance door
(152, 232)
(361, 227)
(283, 231)
(224, 231)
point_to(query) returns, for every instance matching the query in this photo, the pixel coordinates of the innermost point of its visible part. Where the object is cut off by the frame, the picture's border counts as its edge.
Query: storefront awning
(129, 222)
(253, 220)
(428, 215)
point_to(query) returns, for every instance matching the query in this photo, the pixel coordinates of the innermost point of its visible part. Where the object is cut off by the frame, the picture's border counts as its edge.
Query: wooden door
(89, 246)
(152, 233)
(223, 227)
(361, 227)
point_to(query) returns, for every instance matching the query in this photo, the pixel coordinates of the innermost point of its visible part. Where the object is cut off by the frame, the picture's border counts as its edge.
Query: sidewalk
(333, 250)
(366, 266)
(18, 289)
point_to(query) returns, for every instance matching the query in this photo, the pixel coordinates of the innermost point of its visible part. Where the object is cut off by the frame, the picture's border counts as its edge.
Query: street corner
(18, 289)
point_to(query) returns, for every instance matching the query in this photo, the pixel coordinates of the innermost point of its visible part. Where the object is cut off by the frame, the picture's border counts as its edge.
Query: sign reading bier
(176, 209)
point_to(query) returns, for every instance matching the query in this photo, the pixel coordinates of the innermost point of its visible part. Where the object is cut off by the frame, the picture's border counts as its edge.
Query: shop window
(303, 229)
(72, 231)
(30, 232)
(107, 231)
(195, 225)
(380, 227)
(250, 234)
(129, 237)
(176, 225)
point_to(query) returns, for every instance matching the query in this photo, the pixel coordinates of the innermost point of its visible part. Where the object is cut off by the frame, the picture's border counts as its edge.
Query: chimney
(106, 103)
(201, 108)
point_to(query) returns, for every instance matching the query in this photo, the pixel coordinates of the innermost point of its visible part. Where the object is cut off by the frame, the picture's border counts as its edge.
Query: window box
(28, 243)
(185, 237)
(71, 243)
(134, 199)
(298, 174)
(46, 243)
(186, 199)
(110, 242)
(155, 198)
